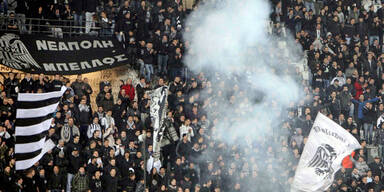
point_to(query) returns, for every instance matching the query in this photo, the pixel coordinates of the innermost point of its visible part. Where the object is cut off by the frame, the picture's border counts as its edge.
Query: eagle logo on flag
(14, 54)
(322, 160)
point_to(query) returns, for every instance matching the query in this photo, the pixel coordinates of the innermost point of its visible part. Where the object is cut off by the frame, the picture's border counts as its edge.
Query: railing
(66, 27)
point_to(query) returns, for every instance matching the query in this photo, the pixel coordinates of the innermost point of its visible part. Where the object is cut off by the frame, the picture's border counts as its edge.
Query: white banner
(327, 145)
(158, 113)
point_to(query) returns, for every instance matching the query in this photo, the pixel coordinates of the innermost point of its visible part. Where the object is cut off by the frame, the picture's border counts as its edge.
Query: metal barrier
(48, 27)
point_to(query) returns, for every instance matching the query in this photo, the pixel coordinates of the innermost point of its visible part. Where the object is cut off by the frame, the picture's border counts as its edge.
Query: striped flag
(33, 118)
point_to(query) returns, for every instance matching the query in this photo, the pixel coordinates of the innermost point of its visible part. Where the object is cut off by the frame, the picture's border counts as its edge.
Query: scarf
(83, 108)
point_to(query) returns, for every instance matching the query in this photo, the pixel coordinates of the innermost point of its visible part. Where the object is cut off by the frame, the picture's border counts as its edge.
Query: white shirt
(185, 130)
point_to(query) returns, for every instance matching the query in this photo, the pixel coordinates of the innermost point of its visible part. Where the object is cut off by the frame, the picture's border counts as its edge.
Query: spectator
(148, 58)
(56, 182)
(106, 25)
(107, 102)
(90, 10)
(129, 90)
(78, 8)
(96, 183)
(95, 126)
(69, 131)
(80, 182)
(110, 181)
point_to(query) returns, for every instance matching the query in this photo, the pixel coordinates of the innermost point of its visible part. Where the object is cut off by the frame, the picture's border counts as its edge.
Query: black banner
(68, 56)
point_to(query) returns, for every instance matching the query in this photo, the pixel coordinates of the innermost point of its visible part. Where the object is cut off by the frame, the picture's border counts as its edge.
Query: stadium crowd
(105, 149)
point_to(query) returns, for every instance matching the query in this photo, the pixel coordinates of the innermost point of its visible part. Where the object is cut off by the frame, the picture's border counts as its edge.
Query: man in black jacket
(29, 182)
(175, 64)
(26, 84)
(369, 119)
(376, 167)
(56, 181)
(56, 84)
(149, 53)
(42, 180)
(162, 57)
(95, 184)
(75, 162)
(78, 88)
(10, 85)
(110, 181)
(84, 116)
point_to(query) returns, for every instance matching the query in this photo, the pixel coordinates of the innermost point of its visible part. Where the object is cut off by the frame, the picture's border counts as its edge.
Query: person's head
(42, 172)
(377, 178)
(56, 169)
(361, 79)
(159, 3)
(161, 81)
(108, 96)
(173, 182)
(113, 161)
(76, 139)
(132, 176)
(126, 155)
(95, 120)
(96, 134)
(82, 171)
(97, 174)
(70, 121)
(109, 112)
(106, 143)
(79, 78)
(142, 80)
(361, 97)
(30, 173)
(149, 45)
(129, 81)
(103, 14)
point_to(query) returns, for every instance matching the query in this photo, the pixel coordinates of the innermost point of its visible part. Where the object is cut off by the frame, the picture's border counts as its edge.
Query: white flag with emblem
(328, 143)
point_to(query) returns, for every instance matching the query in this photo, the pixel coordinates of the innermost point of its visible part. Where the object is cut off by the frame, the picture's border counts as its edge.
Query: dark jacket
(110, 183)
(77, 6)
(84, 115)
(148, 57)
(26, 86)
(369, 115)
(96, 185)
(90, 5)
(74, 164)
(56, 182)
(78, 88)
(376, 168)
(107, 104)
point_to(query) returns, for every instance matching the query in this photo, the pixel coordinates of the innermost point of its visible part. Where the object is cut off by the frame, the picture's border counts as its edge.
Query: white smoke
(232, 37)
(258, 79)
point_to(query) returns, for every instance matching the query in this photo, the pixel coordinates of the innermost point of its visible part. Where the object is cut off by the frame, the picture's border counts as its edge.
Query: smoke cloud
(253, 81)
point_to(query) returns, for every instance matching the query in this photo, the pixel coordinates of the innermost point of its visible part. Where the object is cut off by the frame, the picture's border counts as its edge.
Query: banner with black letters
(328, 144)
(67, 56)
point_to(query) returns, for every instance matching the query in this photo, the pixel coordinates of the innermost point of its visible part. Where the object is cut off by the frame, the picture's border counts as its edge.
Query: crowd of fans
(105, 148)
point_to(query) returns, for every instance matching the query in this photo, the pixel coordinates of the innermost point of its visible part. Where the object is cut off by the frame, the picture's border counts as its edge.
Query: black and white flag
(158, 113)
(328, 143)
(67, 56)
(33, 118)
